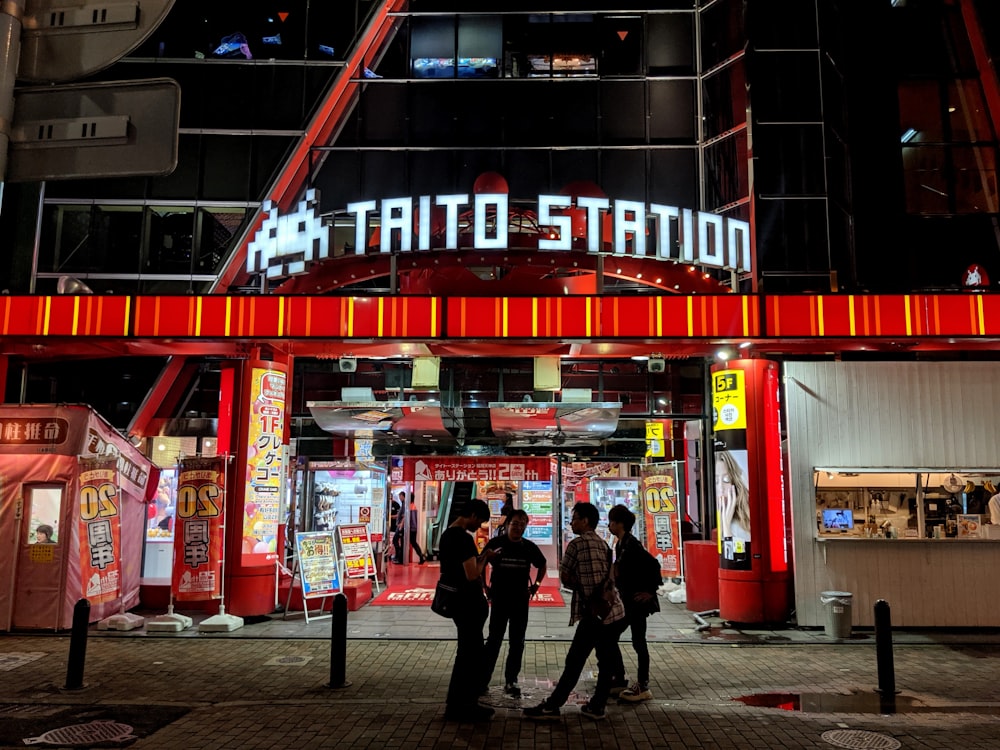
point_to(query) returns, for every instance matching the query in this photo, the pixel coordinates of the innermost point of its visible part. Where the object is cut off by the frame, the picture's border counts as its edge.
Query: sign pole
(11, 13)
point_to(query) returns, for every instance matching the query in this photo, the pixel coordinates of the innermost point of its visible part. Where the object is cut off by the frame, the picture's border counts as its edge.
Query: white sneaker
(636, 693)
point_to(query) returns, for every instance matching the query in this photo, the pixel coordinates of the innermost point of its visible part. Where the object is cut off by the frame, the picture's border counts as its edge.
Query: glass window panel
(783, 24)
(975, 179)
(280, 99)
(480, 46)
(182, 183)
(968, 118)
(478, 113)
(432, 47)
(118, 231)
(623, 174)
(383, 113)
(727, 171)
(792, 93)
(216, 229)
(383, 174)
(792, 237)
(724, 97)
(925, 180)
(621, 45)
(670, 45)
(267, 154)
(65, 242)
(226, 167)
(920, 112)
(788, 160)
(523, 126)
(45, 509)
(722, 32)
(673, 177)
(671, 112)
(623, 113)
(580, 98)
(171, 235)
(573, 166)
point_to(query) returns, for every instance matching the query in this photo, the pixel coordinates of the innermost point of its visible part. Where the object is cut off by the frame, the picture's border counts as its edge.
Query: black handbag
(445, 599)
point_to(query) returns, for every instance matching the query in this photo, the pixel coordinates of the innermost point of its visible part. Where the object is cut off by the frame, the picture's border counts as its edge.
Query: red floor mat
(421, 596)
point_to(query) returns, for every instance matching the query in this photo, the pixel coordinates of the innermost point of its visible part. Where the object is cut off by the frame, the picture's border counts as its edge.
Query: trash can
(838, 613)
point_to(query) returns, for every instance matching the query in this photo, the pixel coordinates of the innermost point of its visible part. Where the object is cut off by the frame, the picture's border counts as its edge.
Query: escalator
(454, 497)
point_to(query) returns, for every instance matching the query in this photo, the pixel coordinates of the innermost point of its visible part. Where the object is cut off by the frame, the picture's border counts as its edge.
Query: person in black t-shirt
(510, 588)
(506, 511)
(462, 568)
(396, 527)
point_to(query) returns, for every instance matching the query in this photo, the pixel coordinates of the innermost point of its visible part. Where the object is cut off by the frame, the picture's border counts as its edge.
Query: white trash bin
(838, 613)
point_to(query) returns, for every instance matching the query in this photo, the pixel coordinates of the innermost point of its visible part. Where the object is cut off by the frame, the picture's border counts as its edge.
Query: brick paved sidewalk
(217, 692)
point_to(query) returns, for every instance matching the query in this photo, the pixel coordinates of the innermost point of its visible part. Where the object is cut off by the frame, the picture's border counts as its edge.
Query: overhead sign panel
(113, 129)
(67, 39)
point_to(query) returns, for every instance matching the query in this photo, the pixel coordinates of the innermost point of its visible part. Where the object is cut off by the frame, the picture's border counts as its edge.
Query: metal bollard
(78, 645)
(883, 649)
(338, 644)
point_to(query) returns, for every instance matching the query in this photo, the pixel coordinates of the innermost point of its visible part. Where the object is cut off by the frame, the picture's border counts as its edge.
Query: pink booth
(73, 512)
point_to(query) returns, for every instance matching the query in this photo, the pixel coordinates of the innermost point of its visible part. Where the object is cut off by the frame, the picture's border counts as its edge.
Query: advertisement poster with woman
(732, 486)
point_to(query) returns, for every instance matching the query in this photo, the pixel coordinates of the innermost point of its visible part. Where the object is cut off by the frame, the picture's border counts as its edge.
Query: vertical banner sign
(198, 529)
(262, 499)
(317, 555)
(659, 491)
(100, 529)
(359, 562)
(732, 477)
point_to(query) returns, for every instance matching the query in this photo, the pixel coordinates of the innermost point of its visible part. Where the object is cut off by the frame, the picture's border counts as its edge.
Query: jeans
(636, 620)
(590, 635)
(513, 609)
(463, 689)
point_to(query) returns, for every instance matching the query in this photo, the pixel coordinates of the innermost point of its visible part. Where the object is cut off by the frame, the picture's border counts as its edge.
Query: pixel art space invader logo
(285, 245)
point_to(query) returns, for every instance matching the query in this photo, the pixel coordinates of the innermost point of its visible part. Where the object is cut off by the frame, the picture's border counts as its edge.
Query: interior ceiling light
(746, 345)
(908, 135)
(723, 355)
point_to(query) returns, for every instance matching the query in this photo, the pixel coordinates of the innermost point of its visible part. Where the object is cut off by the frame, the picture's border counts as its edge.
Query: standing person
(637, 575)
(586, 568)
(43, 534)
(506, 511)
(395, 531)
(462, 568)
(509, 589)
(412, 521)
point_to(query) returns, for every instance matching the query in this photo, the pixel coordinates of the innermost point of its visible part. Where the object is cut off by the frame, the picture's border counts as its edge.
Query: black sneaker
(617, 686)
(541, 712)
(512, 689)
(597, 714)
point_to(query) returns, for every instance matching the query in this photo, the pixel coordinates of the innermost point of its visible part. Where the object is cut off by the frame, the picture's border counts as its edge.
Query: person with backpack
(637, 575)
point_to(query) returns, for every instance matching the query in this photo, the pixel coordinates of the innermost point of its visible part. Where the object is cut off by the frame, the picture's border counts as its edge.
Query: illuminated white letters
(285, 244)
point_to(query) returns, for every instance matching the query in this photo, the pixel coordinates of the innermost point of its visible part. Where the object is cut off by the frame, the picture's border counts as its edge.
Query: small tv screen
(838, 520)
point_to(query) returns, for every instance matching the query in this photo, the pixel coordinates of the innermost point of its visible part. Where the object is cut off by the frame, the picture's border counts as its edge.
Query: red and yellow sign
(198, 529)
(659, 492)
(100, 529)
(359, 561)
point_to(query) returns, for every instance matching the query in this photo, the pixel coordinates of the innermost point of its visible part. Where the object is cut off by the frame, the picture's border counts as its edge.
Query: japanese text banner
(659, 490)
(198, 529)
(100, 529)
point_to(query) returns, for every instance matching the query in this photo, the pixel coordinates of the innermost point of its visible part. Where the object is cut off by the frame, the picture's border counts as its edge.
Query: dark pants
(414, 546)
(636, 621)
(512, 609)
(590, 635)
(463, 690)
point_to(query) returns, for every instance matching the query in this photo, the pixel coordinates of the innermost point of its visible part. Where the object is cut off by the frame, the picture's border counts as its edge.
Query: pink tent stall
(73, 495)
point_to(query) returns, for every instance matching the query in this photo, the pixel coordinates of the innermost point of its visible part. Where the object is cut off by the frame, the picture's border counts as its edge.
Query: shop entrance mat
(421, 596)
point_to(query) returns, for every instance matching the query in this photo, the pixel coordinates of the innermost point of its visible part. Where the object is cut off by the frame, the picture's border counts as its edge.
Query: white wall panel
(940, 415)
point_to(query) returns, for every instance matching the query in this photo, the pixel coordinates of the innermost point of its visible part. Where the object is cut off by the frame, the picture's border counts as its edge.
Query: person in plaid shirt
(586, 569)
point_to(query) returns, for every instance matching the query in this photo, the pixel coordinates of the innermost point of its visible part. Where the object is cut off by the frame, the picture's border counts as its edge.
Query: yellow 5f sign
(729, 400)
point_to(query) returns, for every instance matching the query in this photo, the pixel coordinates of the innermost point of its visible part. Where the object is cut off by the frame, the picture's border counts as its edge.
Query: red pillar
(253, 430)
(754, 574)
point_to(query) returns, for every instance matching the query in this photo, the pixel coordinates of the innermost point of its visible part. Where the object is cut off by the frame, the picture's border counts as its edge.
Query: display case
(858, 503)
(158, 552)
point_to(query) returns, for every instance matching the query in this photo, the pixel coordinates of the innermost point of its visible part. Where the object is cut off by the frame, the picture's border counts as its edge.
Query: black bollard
(338, 644)
(883, 649)
(78, 645)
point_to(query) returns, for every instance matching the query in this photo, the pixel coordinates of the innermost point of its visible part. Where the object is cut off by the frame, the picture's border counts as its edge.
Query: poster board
(316, 556)
(356, 546)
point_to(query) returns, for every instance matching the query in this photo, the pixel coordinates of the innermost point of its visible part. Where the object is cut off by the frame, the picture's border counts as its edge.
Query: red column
(754, 575)
(253, 431)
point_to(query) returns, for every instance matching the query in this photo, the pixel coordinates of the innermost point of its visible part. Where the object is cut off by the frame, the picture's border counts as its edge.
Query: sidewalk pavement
(244, 691)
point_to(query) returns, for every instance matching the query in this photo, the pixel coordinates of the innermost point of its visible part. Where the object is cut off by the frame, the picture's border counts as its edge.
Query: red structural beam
(216, 318)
